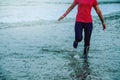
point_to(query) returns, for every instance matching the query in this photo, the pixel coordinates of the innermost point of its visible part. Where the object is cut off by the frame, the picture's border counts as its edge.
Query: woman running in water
(84, 21)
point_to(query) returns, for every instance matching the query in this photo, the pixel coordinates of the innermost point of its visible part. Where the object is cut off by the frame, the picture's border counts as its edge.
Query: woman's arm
(98, 11)
(67, 11)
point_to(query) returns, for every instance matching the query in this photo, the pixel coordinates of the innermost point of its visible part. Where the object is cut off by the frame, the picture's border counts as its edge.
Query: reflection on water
(80, 67)
(86, 70)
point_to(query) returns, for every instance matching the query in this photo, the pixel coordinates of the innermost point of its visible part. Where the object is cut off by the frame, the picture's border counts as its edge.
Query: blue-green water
(35, 46)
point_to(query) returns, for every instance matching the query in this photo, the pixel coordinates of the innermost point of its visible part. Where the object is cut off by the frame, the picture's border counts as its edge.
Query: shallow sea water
(34, 46)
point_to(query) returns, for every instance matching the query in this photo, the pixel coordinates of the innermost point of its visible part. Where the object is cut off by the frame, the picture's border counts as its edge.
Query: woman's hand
(104, 26)
(62, 17)
(98, 11)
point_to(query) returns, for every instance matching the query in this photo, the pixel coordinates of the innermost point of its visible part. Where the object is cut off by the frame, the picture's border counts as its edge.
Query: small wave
(4, 25)
(3, 75)
(57, 50)
(113, 16)
(58, 3)
(101, 2)
(109, 2)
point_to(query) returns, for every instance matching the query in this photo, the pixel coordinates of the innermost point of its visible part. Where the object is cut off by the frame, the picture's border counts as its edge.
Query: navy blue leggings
(87, 27)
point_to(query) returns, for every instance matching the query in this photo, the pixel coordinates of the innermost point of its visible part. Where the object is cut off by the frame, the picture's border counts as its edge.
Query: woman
(84, 21)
